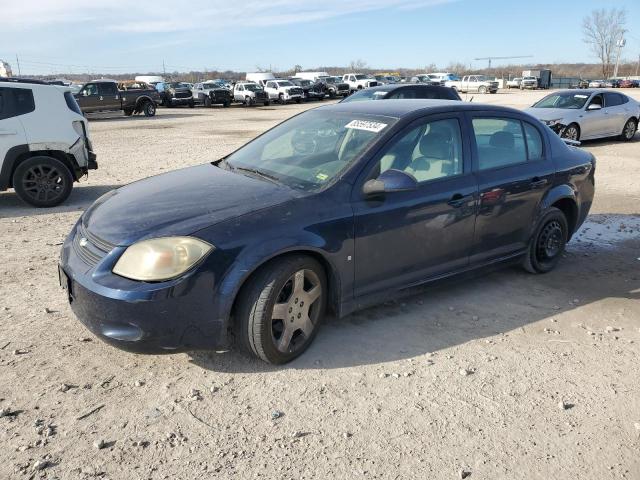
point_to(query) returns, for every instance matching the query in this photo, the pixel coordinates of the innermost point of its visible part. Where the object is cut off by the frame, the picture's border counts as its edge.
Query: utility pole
(18, 62)
(620, 43)
(638, 66)
(164, 70)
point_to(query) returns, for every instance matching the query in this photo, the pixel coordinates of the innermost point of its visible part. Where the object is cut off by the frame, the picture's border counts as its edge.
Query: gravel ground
(506, 375)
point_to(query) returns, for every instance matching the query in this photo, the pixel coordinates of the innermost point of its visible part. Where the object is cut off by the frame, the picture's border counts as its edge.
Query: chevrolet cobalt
(335, 209)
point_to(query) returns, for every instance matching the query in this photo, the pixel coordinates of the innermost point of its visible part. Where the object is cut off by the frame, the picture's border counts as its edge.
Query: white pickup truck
(514, 83)
(358, 81)
(473, 83)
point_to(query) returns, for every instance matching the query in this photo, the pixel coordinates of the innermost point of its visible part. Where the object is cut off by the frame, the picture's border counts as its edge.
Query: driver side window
(429, 151)
(597, 100)
(90, 89)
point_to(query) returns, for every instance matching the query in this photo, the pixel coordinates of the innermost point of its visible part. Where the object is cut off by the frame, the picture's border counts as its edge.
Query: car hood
(179, 203)
(550, 113)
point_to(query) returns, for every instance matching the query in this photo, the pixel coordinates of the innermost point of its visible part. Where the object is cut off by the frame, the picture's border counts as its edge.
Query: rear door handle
(459, 200)
(537, 182)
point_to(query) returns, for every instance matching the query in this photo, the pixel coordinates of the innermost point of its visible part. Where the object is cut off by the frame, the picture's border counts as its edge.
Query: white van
(261, 78)
(313, 76)
(150, 79)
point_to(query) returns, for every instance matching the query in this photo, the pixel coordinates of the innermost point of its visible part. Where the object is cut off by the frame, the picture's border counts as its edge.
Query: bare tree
(602, 30)
(357, 65)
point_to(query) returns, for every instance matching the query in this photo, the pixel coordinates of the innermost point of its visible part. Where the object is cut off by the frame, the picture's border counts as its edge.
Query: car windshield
(285, 84)
(177, 85)
(367, 94)
(360, 77)
(309, 150)
(328, 79)
(567, 100)
(304, 83)
(254, 87)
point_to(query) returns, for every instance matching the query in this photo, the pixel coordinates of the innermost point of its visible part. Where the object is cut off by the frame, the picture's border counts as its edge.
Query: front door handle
(537, 182)
(459, 200)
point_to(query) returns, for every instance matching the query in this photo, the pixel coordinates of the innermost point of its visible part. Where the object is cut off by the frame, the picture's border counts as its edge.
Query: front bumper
(163, 317)
(181, 101)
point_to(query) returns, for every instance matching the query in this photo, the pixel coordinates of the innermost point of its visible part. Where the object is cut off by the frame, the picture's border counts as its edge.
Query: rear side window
(2, 107)
(23, 101)
(534, 141)
(107, 89)
(71, 103)
(499, 141)
(612, 99)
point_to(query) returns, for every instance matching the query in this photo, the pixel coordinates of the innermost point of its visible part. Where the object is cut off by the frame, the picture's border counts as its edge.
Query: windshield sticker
(322, 176)
(581, 96)
(366, 125)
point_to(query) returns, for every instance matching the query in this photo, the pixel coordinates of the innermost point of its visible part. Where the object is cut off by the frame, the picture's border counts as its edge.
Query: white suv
(44, 142)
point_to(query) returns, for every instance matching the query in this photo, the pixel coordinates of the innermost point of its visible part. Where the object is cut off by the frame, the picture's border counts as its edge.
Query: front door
(595, 123)
(88, 98)
(404, 238)
(514, 171)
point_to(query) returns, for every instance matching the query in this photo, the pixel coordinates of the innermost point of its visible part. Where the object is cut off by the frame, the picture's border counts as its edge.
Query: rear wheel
(42, 181)
(281, 99)
(571, 132)
(128, 112)
(207, 102)
(281, 307)
(482, 89)
(548, 242)
(192, 104)
(629, 130)
(149, 109)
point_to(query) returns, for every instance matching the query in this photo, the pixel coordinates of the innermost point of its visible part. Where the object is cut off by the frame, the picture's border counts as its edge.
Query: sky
(119, 36)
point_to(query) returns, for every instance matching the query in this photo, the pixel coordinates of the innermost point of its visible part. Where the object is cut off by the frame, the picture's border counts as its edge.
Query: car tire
(571, 131)
(298, 100)
(226, 104)
(207, 102)
(281, 99)
(482, 89)
(247, 101)
(629, 130)
(128, 112)
(149, 109)
(192, 104)
(280, 289)
(42, 181)
(547, 243)
(267, 103)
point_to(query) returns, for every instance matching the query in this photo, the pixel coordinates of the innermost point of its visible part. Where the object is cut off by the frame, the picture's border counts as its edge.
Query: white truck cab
(283, 91)
(358, 81)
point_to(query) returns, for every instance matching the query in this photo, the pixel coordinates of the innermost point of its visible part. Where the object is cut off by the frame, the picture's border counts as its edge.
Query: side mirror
(390, 181)
(594, 106)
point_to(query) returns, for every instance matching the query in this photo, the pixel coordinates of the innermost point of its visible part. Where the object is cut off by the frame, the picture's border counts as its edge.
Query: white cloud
(174, 16)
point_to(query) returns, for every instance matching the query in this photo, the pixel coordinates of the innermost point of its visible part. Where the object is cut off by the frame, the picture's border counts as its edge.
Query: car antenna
(471, 99)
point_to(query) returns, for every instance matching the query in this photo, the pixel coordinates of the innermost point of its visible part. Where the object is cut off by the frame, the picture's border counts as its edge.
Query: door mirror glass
(594, 106)
(390, 181)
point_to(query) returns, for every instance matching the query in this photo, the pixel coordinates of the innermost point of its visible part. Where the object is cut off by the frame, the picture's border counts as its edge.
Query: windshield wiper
(259, 173)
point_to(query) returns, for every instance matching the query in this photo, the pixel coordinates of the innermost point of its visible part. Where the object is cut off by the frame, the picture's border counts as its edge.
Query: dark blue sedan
(338, 208)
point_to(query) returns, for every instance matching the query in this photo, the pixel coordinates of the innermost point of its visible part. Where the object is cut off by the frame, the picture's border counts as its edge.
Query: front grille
(343, 86)
(182, 94)
(295, 91)
(94, 249)
(261, 95)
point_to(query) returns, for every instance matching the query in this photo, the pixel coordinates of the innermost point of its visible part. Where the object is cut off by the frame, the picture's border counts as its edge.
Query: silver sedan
(588, 114)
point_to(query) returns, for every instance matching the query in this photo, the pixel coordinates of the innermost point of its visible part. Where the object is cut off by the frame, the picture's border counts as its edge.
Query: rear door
(11, 130)
(616, 112)
(514, 171)
(405, 238)
(108, 96)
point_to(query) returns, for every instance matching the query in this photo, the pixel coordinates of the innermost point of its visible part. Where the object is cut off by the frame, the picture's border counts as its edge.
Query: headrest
(435, 145)
(502, 139)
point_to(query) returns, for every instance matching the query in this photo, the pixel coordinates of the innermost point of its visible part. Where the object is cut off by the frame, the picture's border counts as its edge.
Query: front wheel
(192, 104)
(482, 90)
(42, 181)
(267, 103)
(548, 242)
(207, 102)
(571, 132)
(629, 130)
(281, 99)
(280, 309)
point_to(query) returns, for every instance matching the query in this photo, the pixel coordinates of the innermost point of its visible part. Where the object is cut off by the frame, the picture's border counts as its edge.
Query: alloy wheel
(571, 133)
(43, 183)
(293, 318)
(629, 130)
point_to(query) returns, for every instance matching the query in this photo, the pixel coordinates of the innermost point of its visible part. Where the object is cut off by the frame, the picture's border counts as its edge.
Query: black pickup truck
(108, 95)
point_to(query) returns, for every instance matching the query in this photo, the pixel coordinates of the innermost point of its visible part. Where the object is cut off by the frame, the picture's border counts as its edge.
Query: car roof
(399, 86)
(23, 80)
(405, 107)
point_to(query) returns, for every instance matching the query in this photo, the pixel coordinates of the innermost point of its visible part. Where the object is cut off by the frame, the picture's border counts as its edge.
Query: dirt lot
(506, 375)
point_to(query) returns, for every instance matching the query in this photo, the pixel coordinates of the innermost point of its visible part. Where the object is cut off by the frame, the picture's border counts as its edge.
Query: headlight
(551, 123)
(161, 258)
